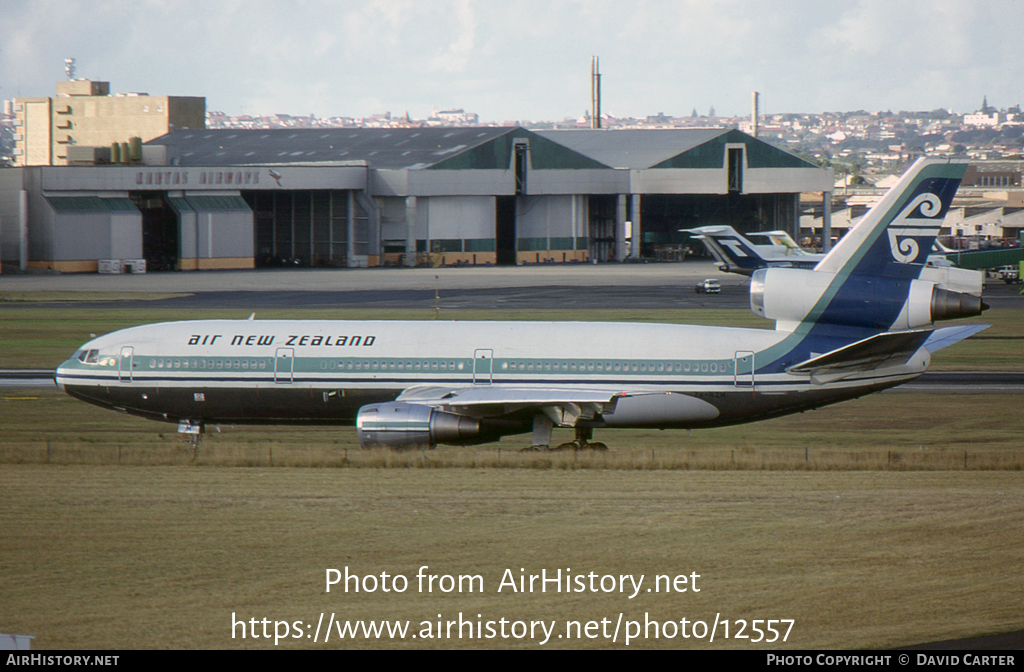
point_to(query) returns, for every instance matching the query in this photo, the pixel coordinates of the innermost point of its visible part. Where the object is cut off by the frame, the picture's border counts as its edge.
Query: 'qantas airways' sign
(171, 178)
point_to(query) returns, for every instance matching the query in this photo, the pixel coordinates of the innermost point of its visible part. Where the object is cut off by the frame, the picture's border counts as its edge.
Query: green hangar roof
(480, 160)
(687, 148)
(545, 154)
(477, 148)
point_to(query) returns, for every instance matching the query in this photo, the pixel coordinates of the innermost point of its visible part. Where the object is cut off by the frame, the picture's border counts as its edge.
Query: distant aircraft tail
(735, 253)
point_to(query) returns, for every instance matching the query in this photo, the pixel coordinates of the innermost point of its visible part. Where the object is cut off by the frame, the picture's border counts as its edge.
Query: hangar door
(307, 228)
(505, 230)
(159, 230)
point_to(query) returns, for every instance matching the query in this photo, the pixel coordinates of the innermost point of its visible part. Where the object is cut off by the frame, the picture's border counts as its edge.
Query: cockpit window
(91, 356)
(80, 355)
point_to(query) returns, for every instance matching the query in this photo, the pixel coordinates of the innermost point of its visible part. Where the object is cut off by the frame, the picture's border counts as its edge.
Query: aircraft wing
(563, 406)
(500, 394)
(889, 348)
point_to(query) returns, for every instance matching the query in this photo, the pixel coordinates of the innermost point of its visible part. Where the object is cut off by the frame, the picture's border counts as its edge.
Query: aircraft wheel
(597, 445)
(572, 445)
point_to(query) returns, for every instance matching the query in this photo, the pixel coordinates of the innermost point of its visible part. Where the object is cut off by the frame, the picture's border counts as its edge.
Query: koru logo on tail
(914, 225)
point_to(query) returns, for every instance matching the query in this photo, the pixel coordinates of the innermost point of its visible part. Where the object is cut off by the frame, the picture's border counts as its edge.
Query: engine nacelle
(787, 295)
(962, 280)
(401, 425)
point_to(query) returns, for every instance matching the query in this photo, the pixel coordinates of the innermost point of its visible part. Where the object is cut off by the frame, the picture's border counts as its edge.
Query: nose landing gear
(193, 433)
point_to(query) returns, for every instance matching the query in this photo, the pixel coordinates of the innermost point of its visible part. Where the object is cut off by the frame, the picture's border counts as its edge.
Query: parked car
(1009, 274)
(709, 286)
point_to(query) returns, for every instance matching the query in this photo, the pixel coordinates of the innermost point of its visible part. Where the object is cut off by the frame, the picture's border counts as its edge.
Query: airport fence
(290, 455)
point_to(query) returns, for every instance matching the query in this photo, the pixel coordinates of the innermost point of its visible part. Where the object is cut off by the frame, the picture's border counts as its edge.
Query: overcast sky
(525, 59)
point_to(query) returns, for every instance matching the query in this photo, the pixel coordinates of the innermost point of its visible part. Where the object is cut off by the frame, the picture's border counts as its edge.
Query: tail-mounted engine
(401, 425)
(789, 295)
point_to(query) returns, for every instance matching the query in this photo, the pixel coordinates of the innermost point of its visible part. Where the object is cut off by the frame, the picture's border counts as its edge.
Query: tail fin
(895, 237)
(733, 251)
(779, 240)
(872, 280)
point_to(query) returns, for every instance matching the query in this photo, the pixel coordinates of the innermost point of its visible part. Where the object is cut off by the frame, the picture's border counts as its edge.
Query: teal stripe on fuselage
(147, 366)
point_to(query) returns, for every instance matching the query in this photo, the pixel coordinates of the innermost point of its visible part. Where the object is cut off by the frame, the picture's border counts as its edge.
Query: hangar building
(351, 197)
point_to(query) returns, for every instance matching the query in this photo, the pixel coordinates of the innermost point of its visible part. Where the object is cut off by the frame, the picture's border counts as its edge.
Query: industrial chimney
(595, 92)
(754, 113)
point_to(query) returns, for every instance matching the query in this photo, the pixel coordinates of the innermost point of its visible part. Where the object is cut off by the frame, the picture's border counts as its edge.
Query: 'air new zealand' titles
(860, 321)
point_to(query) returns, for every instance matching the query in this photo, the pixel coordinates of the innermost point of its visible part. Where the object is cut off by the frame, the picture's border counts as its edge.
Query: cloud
(939, 34)
(523, 58)
(456, 56)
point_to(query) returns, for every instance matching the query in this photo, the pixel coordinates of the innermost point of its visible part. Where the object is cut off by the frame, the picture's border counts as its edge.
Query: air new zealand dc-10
(857, 323)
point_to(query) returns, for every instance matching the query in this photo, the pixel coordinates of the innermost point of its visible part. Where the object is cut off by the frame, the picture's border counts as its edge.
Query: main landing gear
(583, 441)
(542, 438)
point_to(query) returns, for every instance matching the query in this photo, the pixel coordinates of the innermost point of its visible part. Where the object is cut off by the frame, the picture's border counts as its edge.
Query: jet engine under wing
(429, 415)
(885, 349)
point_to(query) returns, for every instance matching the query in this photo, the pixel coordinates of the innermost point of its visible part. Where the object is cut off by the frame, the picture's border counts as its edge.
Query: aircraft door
(124, 364)
(482, 367)
(743, 369)
(284, 365)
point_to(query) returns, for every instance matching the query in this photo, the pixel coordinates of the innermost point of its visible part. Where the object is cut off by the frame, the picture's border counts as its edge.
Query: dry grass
(798, 517)
(274, 454)
(98, 557)
(45, 296)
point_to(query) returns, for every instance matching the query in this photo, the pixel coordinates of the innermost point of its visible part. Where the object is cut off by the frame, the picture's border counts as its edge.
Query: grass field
(46, 296)
(130, 557)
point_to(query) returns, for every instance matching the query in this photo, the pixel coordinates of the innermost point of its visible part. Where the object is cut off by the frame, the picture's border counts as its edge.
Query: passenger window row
(380, 365)
(91, 357)
(618, 367)
(215, 364)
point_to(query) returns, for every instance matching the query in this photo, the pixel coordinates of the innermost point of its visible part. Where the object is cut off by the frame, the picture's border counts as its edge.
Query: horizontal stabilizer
(889, 348)
(947, 336)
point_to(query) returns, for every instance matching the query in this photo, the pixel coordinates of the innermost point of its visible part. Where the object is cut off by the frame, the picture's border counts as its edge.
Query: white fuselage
(323, 371)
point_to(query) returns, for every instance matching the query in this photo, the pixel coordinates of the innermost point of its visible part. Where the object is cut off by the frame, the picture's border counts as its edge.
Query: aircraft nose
(58, 375)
